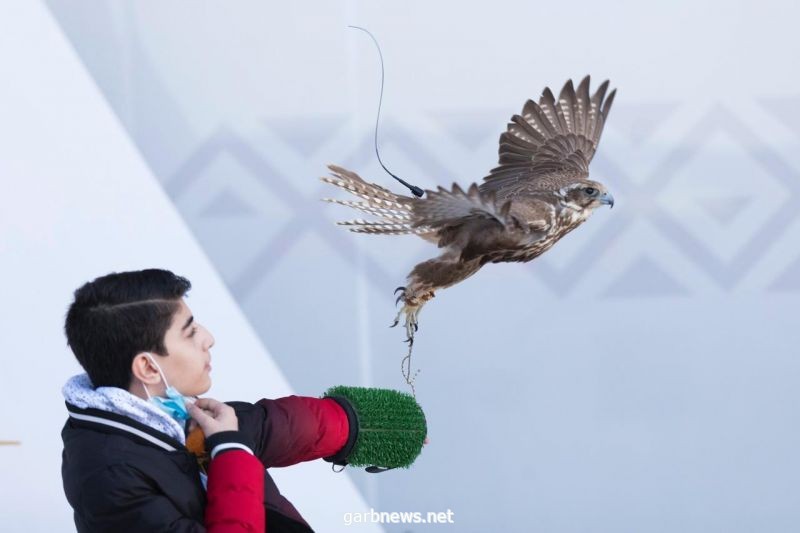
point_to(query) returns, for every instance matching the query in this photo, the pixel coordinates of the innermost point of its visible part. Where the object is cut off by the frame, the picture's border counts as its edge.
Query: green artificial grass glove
(387, 428)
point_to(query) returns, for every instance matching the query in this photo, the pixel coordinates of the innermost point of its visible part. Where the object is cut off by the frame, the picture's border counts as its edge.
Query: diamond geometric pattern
(723, 221)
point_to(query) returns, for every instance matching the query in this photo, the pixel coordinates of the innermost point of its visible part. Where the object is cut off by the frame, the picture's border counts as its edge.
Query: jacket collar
(108, 422)
(80, 392)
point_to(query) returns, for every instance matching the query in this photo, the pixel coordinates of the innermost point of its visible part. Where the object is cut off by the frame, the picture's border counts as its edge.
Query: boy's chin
(202, 387)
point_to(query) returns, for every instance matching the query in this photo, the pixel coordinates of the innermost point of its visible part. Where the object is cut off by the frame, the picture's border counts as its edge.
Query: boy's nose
(210, 341)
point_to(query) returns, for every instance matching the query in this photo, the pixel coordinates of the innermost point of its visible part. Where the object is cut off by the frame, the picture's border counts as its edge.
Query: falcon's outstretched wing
(442, 208)
(551, 137)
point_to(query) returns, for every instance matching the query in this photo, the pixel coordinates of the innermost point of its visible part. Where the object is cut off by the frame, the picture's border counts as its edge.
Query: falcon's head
(585, 194)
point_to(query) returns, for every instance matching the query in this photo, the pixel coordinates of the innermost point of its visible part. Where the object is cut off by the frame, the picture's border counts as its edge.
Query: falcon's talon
(410, 312)
(402, 295)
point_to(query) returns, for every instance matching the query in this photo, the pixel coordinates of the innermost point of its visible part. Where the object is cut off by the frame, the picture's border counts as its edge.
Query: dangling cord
(405, 364)
(413, 188)
(405, 368)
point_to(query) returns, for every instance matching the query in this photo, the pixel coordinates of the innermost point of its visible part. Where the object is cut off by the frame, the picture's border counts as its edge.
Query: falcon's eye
(591, 191)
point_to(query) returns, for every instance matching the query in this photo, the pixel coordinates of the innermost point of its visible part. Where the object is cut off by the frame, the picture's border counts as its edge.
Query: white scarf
(80, 392)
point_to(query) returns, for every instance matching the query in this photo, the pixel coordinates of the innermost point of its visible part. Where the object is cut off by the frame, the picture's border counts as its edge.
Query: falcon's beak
(606, 198)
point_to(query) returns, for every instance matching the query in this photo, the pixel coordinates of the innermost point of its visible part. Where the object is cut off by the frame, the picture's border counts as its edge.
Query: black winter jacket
(120, 475)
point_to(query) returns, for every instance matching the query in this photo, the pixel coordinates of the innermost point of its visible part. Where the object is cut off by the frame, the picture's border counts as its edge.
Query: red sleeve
(300, 428)
(235, 496)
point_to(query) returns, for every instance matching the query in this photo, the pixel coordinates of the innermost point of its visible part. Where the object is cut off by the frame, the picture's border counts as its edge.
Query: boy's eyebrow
(188, 322)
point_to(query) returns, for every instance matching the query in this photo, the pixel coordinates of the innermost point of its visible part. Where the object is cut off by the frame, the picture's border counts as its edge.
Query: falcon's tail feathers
(393, 210)
(383, 228)
(383, 212)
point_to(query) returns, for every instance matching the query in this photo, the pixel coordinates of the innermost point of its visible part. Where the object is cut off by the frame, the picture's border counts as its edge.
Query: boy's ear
(144, 370)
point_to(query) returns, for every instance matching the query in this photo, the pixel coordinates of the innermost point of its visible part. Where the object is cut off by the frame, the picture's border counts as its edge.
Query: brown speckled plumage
(539, 192)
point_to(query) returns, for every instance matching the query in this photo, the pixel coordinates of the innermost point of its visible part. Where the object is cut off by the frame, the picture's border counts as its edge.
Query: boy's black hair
(119, 315)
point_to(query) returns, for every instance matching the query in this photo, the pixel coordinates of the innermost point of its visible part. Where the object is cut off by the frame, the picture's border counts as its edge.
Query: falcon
(539, 192)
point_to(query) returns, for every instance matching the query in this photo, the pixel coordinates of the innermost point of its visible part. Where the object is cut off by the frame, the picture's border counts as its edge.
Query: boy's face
(188, 364)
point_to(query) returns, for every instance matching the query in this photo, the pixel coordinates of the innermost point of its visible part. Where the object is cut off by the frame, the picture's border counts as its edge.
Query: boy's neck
(137, 389)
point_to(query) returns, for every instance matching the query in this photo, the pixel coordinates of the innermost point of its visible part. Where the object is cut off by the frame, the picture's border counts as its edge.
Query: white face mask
(175, 403)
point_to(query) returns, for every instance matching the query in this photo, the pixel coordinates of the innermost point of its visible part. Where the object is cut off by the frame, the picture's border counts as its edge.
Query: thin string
(418, 192)
(405, 368)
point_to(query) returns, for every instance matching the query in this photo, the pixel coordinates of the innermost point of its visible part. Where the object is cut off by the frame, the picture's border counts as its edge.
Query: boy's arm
(294, 429)
(235, 496)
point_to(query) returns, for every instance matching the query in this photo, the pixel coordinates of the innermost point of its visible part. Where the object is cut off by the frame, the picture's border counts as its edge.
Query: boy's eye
(194, 330)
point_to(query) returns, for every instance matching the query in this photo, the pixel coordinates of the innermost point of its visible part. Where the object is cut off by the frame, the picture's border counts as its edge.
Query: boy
(125, 464)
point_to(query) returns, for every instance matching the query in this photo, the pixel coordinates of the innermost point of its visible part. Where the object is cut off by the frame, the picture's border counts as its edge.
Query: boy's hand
(213, 416)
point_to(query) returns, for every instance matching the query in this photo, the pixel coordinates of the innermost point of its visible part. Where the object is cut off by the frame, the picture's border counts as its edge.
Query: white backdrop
(641, 376)
(78, 201)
